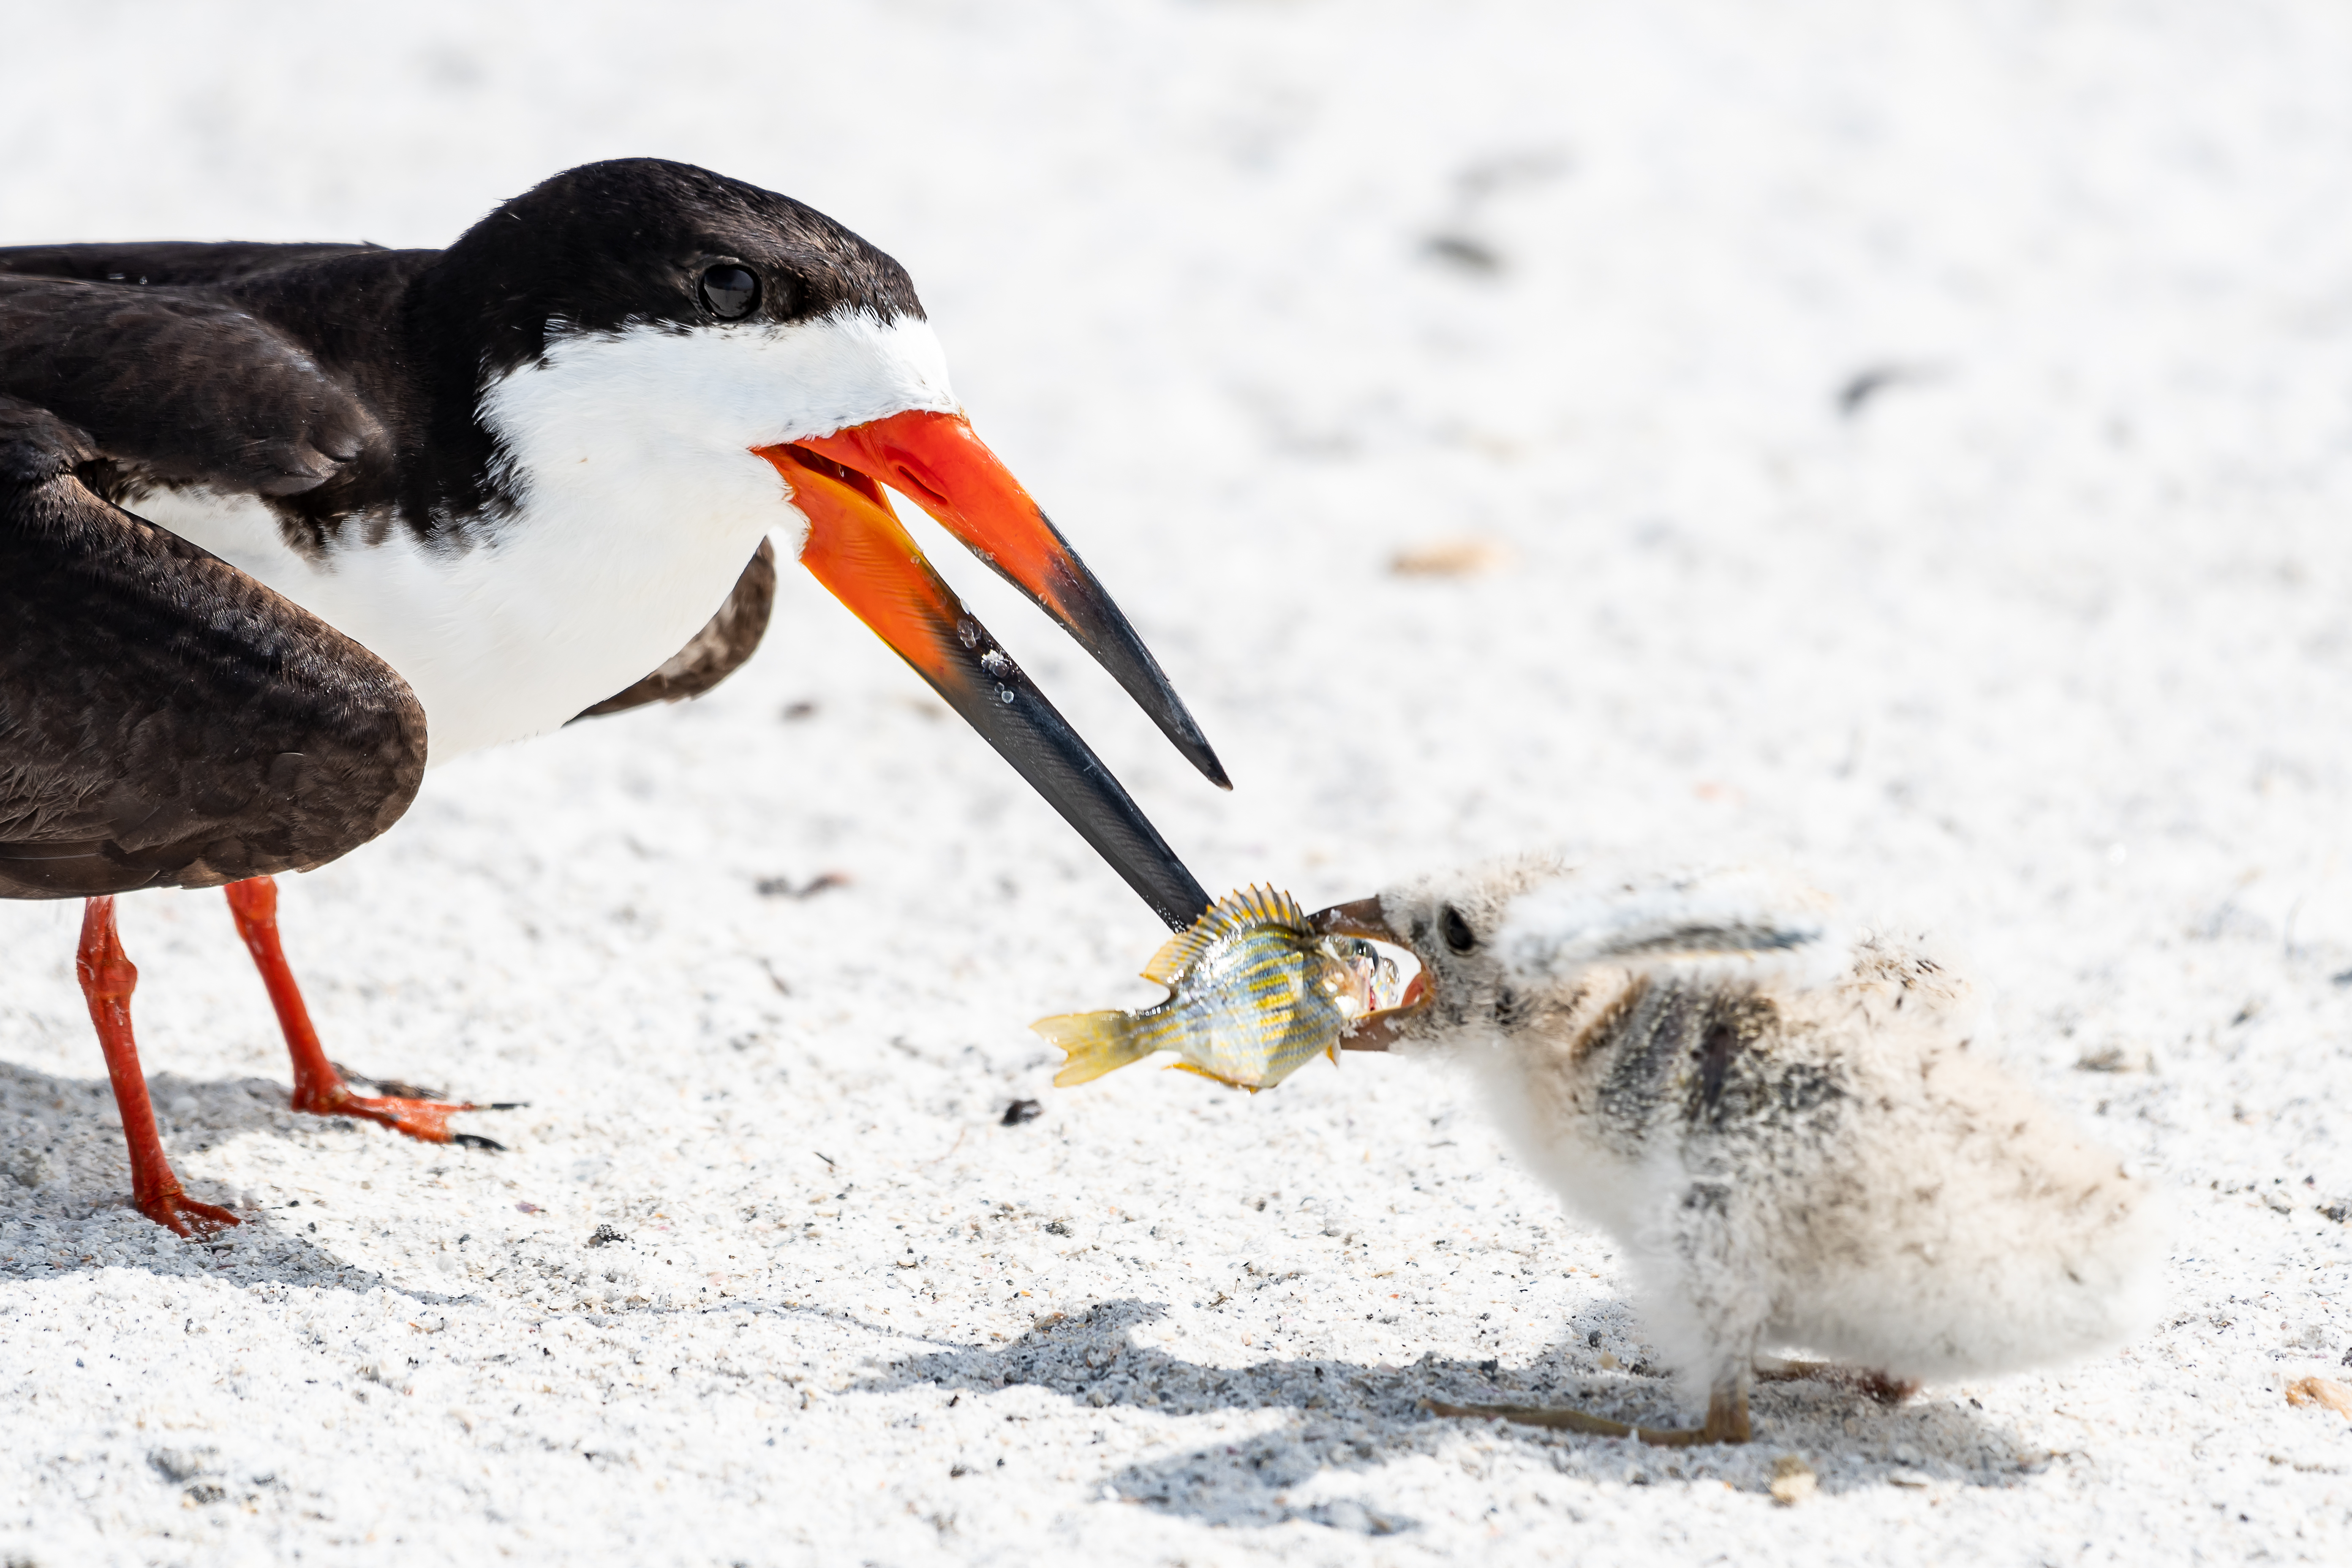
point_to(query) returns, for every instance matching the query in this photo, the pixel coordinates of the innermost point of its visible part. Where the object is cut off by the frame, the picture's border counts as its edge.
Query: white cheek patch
(1736, 923)
(714, 388)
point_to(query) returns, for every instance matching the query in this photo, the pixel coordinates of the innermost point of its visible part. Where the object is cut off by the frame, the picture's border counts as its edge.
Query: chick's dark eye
(729, 290)
(1456, 930)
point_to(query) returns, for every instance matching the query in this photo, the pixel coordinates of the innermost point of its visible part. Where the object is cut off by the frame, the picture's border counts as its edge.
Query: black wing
(164, 720)
(166, 263)
(176, 387)
(716, 650)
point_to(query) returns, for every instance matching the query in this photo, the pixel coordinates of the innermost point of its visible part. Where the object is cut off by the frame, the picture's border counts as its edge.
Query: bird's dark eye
(1456, 930)
(732, 292)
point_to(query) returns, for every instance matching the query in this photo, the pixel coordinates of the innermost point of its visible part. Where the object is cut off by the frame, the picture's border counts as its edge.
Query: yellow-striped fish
(1253, 992)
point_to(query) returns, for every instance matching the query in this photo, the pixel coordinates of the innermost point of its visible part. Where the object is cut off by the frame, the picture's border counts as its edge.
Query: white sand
(2047, 647)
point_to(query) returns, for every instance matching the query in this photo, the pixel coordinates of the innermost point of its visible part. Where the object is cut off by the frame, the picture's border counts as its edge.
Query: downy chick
(1797, 1135)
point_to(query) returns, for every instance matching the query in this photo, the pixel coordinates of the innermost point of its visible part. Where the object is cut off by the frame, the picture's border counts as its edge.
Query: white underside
(641, 502)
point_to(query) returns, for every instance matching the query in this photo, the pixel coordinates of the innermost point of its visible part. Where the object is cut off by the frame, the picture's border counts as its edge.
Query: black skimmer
(281, 524)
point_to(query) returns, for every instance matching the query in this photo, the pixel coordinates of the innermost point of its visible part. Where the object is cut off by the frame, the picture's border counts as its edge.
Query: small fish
(1253, 992)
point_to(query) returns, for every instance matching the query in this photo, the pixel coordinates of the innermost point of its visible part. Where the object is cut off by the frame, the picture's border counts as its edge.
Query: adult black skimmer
(279, 524)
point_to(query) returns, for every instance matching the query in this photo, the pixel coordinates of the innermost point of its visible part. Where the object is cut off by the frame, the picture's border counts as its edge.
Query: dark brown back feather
(164, 720)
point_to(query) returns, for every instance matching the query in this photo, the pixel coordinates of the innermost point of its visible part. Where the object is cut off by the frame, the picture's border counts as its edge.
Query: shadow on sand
(65, 1184)
(1352, 1417)
(1338, 1417)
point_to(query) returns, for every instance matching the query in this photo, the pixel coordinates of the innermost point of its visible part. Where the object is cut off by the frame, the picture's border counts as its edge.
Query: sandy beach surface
(1914, 444)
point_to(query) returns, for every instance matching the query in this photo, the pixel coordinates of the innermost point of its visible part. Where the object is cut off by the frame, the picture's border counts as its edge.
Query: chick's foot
(1885, 1390)
(1726, 1420)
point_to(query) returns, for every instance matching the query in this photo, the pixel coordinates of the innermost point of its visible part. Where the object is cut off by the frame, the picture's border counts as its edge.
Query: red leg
(108, 978)
(317, 1087)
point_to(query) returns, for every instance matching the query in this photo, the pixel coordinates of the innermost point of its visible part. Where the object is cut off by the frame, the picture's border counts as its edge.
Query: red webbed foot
(318, 1086)
(417, 1114)
(176, 1212)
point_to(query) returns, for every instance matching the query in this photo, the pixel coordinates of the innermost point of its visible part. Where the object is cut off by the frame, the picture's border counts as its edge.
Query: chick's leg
(318, 1087)
(1726, 1419)
(108, 978)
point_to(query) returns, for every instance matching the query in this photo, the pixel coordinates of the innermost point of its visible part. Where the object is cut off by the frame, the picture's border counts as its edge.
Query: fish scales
(1253, 1008)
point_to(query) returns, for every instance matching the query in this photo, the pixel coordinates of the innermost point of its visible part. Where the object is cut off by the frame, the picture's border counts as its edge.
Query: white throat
(639, 502)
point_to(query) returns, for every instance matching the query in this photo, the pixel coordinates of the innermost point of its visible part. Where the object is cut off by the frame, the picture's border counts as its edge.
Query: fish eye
(730, 290)
(1456, 930)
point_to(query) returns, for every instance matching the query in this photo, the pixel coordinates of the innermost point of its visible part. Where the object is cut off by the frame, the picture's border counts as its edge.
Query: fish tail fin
(1096, 1043)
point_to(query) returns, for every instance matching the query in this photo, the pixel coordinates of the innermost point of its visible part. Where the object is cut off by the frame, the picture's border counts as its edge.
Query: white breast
(513, 637)
(641, 502)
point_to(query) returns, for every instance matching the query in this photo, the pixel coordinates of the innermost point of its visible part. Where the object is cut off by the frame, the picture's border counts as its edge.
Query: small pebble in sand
(785, 887)
(179, 1464)
(1792, 1481)
(2324, 1392)
(1447, 558)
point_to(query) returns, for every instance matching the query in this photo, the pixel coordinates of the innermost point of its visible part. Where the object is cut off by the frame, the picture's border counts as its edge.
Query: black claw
(505, 1105)
(475, 1140)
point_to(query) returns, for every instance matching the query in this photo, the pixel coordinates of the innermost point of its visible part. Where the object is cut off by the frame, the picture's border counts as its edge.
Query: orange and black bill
(859, 551)
(936, 461)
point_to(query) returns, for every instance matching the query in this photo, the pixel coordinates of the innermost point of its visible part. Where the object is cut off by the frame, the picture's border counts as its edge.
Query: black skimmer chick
(1798, 1136)
(280, 525)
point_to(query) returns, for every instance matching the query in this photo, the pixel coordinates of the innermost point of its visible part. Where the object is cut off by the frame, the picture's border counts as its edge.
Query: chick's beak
(858, 550)
(1364, 918)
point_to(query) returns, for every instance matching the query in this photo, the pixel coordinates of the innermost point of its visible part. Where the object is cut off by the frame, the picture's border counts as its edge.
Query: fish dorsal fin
(1229, 916)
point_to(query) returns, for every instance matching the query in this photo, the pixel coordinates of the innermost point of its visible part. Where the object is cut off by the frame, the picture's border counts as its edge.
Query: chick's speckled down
(1802, 1136)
